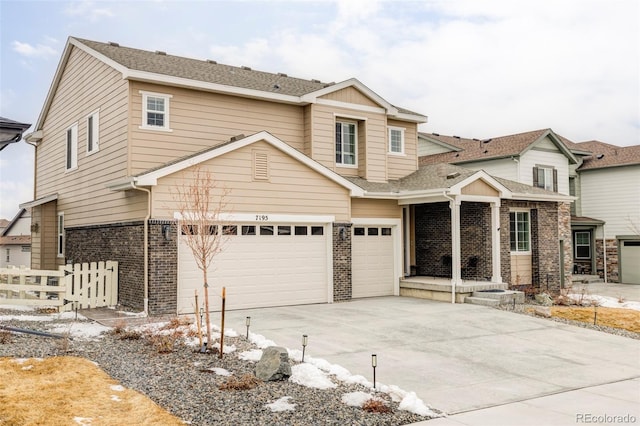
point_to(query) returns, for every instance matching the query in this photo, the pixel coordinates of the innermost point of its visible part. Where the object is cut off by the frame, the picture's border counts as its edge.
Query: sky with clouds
(475, 68)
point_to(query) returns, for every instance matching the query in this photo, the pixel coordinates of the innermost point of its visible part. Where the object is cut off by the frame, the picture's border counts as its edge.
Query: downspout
(146, 247)
(453, 281)
(604, 249)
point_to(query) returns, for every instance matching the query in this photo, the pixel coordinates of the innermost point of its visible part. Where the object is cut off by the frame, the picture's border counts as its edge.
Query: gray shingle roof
(206, 71)
(606, 155)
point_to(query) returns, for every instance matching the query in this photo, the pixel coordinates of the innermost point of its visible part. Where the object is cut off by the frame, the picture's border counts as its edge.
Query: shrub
(245, 382)
(5, 337)
(375, 405)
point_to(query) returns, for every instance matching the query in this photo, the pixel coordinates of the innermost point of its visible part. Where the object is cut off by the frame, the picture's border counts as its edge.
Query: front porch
(438, 288)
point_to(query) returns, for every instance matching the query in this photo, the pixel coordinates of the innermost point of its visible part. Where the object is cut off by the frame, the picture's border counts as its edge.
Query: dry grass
(627, 319)
(245, 382)
(376, 406)
(68, 390)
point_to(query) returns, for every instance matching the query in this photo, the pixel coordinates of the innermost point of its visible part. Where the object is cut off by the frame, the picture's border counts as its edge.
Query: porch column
(496, 276)
(454, 205)
(407, 239)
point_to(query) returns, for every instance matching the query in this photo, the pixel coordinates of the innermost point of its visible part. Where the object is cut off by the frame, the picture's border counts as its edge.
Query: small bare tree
(200, 201)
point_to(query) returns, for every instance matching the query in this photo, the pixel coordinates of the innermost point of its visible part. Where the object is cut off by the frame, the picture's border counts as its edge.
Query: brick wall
(433, 239)
(163, 268)
(342, 288)
(475, 241)
(612, 260)
(565, 234)
(121, 242)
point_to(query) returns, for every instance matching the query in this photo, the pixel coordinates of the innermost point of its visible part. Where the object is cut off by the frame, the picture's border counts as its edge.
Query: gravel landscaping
(186, 382)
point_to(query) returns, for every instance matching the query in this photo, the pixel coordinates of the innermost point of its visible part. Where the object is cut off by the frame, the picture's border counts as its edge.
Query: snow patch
(413, 404)
(356, 399)
(117, 388)
(31, 318)
(260, 341)
(252, 355)
(81, 330)
(28, 367)
(220, 371)
(227, 349)
(19, 308)
(281, 404)
(115, 398)
(83, 421)
(604, 301)
(310, 376)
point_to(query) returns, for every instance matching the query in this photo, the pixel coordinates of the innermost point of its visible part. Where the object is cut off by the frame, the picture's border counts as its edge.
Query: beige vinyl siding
(199, 120)
(361, 207)
(350, 95)
(308, 134)
(293, 188)
(480, 187)
(402, 165)
(374, 124)
(86, 85)
(521, 269)
(44, 242)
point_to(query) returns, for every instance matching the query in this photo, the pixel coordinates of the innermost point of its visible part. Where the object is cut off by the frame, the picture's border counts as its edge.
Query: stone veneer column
(342, 287)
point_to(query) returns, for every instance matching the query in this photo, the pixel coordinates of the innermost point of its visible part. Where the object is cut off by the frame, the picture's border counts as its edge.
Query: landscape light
(304, 344)
(374, 364)
(248, 323)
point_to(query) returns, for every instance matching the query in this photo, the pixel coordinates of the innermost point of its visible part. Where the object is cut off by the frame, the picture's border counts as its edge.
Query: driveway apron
(458, 357)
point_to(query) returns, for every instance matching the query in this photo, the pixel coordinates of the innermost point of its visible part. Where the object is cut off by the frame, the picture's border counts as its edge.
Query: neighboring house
(603, 178)
(11, 131)
(15, 241)
(607, 183)
(326, 200)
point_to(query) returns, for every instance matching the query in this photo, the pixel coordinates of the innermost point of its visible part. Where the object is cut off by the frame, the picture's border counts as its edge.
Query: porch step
(484, 301)
(586, 279)
(501, 297)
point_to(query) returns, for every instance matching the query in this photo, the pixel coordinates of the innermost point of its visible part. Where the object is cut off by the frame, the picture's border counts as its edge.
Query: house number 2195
(262, 217)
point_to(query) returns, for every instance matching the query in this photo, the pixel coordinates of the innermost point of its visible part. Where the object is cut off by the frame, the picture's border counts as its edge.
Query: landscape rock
(274, 364)
(544, 299)
(542, 311)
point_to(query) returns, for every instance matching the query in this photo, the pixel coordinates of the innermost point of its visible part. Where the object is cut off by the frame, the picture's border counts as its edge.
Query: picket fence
(81, 286)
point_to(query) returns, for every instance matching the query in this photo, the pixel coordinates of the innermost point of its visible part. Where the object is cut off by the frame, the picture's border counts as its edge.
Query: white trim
(355, 107)
(71, 164)
(166, 127)
(503, 191)
(337, 115)
(60, 233)
(151, 178)
(352, 82)
(38, 202)
(520, 252)
(96, 131)
(266, 217)
(328, 231)
(342, 123)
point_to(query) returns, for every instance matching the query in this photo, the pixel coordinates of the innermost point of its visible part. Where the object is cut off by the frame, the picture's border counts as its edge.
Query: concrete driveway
(457, 358)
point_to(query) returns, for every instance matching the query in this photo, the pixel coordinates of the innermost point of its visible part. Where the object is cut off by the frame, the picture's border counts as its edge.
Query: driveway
(457, 358)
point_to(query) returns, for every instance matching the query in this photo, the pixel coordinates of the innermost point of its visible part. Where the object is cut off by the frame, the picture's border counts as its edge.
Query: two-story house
(602, 178)
(606, 215)
(326, 201)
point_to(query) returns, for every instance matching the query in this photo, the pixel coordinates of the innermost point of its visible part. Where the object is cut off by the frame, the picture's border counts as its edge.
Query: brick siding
(342, 285)
(163, 268)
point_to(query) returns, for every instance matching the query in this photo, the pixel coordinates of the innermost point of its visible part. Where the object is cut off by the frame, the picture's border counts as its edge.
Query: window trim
(95, 133)
(517, 251)
(60, 235)
(342, 121)
(167, 111)
(552, 176)
(576, 245)
(71, 148)
(402, 140)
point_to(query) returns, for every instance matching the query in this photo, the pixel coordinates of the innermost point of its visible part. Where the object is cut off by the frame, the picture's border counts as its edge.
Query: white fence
(89, 285)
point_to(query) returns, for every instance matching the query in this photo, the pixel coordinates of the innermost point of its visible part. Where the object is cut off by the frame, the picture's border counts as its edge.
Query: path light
(248, 323)
(304, 344)
(374, 364)
(201, 315)
(595, 314)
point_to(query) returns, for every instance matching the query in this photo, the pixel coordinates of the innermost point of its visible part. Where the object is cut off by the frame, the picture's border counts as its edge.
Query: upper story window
(396, 140)
(519, 231)
(346, 137)
(71, 148)
(155, 111)
(93, 133)
(546, 178)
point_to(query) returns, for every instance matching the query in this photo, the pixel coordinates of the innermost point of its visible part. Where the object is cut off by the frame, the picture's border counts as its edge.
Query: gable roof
(9, 225)
(161, 68)
(604, 155)
(471, 150)
(436, 179)
(150, 177)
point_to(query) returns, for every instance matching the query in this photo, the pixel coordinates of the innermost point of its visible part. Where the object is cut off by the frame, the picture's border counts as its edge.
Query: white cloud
(88, 10)
(31, 51)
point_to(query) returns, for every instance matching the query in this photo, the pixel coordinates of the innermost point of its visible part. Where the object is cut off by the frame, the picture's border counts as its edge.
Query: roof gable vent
(114, 44)
(211, 61)
(246, 68)
(160, 52)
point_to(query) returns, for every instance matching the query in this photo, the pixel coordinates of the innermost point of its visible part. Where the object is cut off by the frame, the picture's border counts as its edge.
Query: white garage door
(373, 261)
(630, 259)
(260, 266)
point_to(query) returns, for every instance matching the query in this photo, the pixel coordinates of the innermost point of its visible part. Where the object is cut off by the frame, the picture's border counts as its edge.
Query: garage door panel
(373, 261)
(630, 259)
(260, 271)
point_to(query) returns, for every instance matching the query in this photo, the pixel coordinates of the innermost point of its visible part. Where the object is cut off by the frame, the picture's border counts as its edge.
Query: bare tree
(200, 201)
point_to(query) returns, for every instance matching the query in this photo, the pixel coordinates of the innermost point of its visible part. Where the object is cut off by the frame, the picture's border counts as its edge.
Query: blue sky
(475, 68)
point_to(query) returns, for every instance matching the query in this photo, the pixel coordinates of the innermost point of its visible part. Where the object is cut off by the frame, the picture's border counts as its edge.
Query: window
(396, 140)
(346, 143)
(266, 229)
(93, 140)
(284, 230)
(545, 178)
(230, 230)
(72, 148)
(519, 233)
(372, 231)
(248, 230)
(358, 231)
(60, 234)
(317, 230)
(582, 245)
(155, 111)
(8, 255)
(301, 230)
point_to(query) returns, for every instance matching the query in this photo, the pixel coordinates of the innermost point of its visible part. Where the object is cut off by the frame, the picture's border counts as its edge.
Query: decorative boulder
(274, 364)
(544, 299)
